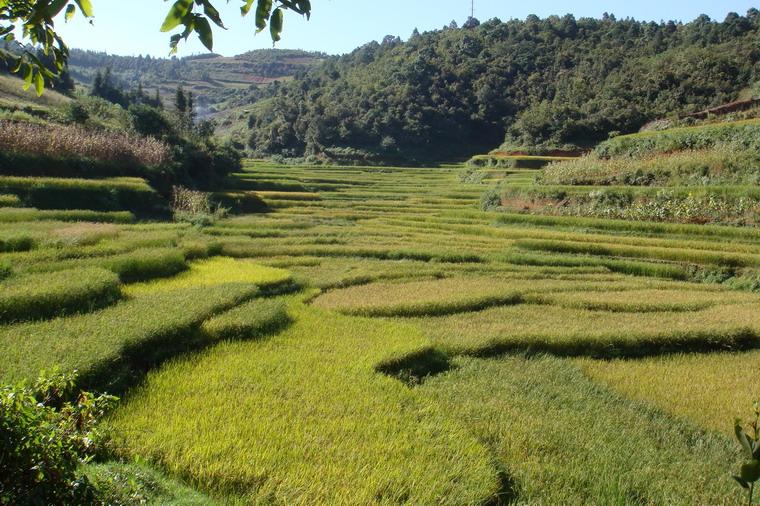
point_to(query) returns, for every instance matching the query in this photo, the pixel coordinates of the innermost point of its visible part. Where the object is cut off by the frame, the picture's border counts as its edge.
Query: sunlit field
(378, 338)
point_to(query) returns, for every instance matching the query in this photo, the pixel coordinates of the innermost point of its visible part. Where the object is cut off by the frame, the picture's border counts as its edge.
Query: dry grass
(58, 141)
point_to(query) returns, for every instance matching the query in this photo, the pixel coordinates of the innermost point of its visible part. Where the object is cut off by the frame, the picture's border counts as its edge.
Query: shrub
(9, 201)
(491, 200)
(44, 440)
(5, 269)
(750, 443)
(251, 320)
(16, 242)
(149, 121)
(195, 207)
(39, 296)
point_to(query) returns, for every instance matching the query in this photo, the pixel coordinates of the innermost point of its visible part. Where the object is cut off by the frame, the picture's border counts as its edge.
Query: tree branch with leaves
(33, 22)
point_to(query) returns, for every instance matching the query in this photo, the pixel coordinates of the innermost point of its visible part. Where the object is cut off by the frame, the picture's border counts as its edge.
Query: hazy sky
(338, 26)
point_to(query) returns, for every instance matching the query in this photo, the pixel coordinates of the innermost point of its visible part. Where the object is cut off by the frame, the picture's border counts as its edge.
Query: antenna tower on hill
(472, 8)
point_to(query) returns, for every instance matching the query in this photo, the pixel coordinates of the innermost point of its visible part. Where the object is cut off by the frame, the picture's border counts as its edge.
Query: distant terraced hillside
(224, 87)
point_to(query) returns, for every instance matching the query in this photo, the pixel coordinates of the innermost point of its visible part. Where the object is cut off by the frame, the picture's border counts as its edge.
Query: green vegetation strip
(107, 346)
(39, 296)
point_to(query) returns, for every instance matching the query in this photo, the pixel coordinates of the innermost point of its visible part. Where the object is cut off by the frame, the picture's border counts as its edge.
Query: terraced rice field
(377, 338)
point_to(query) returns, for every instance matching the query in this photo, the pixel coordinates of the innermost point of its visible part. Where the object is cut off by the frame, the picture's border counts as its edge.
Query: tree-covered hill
(556, 82)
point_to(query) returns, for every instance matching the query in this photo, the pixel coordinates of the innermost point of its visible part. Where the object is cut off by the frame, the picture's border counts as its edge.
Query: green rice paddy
(377, 338)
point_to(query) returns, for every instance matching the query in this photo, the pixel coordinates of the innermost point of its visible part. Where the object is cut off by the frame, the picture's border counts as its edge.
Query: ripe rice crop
(711, 389)
(306, 419)
(97, 194)
(110, 345)
(669, 254)
(215, 271)
(645, 301)
(138, 265)
(581, 332)
(82, 234)
(16, 242)
(557, 437)
(415, 298)
(56, 141)
(651, 228)
(248, 321)
(15, 215)
(39, 296)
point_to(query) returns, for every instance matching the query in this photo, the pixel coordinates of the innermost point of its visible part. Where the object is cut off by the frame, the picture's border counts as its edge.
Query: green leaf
(246, 7)
(305, 6)
(179, 10)
(213, 14)
(86, 7)
(743, 439)
(28, 75)
(275, 24)
(203, 29)
(750, 472)
(263, 8)
(70, 11)
(741, 482)
(39, 83)
(55, 7)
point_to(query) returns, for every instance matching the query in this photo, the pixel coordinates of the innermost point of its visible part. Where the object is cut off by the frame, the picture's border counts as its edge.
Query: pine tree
(180, 101)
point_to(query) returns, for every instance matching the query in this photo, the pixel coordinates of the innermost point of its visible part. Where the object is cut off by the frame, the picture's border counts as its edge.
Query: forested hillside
(558, 82)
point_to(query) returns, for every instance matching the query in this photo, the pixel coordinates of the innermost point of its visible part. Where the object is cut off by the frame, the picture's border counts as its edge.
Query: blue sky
(338, 26)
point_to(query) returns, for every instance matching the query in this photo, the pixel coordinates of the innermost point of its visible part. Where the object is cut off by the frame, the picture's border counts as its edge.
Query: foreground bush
(44, 439)
(16, 242)
(40, 296)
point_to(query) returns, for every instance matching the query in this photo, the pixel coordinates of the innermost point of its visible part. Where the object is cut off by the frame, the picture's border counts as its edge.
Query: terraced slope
(706, 173)
(435, 353)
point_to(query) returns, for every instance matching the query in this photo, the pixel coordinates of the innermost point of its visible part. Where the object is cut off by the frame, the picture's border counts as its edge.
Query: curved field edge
(306, 403)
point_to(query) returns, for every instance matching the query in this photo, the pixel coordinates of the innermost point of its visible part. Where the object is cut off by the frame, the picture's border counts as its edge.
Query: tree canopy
(35, 20)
